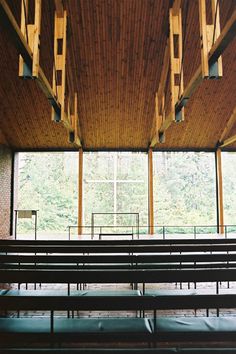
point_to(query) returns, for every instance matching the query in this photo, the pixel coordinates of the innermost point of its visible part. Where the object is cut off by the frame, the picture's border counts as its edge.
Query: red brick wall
(6, 157)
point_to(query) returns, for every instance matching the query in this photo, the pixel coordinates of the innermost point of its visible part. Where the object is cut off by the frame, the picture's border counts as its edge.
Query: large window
(229, 185)
(115, 183)
(184, 188)
(48, 182)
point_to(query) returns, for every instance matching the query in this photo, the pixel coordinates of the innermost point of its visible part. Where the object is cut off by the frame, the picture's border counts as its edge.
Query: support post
(219, 192)
(150, 194)
(80, 192)
(176, 64)
(31, 32)
(59, 70)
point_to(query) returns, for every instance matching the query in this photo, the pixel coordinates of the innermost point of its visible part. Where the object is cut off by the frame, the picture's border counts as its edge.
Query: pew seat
(166, 329)
(194, 329)
(118, 351)
(75, 330)
(56, 292)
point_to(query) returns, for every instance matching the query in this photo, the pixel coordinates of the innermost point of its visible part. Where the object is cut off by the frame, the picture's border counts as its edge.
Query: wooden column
(219, 193)
(150, 194)
(176, 63)
(80, 192)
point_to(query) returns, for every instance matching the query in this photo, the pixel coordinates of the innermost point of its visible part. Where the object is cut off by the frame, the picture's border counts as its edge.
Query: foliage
(48, 182)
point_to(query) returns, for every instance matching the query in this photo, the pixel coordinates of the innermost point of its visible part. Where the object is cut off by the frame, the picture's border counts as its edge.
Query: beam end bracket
(162, 137)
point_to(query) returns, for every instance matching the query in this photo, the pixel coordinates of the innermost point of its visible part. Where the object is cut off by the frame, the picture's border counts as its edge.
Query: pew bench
(154, 329)
(117, 248)
(153, 241)
(119, 351)
(110, 276)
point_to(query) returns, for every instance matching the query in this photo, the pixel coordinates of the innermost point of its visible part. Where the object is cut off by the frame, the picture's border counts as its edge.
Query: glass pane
(48, 182)
(229, 188)
(98, 166)
(115, 183)
(98, 198)
(184, 189)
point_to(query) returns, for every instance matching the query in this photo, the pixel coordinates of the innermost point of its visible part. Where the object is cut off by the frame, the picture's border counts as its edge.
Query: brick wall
(6, 157)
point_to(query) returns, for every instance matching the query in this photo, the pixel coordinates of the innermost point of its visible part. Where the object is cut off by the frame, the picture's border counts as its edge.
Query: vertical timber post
(219, 192)
(31, 33)
(150, 194)
(176, 63)
(59, 66)
(80, 193)
(208, 35)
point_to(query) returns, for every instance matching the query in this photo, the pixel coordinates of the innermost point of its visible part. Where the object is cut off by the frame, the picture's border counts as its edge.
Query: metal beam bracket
(208, 35)
(162, 137)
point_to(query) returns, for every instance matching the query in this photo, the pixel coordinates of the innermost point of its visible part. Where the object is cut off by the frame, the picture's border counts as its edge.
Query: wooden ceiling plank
(225, 38)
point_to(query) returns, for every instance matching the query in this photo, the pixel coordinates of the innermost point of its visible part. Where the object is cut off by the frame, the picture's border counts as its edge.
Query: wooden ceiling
(114, 61)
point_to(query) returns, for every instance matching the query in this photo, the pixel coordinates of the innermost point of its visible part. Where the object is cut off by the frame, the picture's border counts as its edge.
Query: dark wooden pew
(117, 262)
(117, 276)
(154, 241)
(120, 351)
(51, 300)
(119, 259)
(152, 329)
(131, 249)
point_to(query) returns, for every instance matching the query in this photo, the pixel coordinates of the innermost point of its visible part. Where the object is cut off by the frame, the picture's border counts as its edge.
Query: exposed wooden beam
(31, 33)
(228, 141)
(150, 193)
(176, 67)
(176, 6)
(209, 34)
(59, 68)
(59, 8)
(74, 136)
(10, 24)
(227, 129)
(160, 113)
(219, 193)
(227, 35)
(80, 192)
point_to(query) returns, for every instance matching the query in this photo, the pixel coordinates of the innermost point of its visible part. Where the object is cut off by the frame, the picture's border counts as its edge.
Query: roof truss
(224, 39)
(20, 41)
